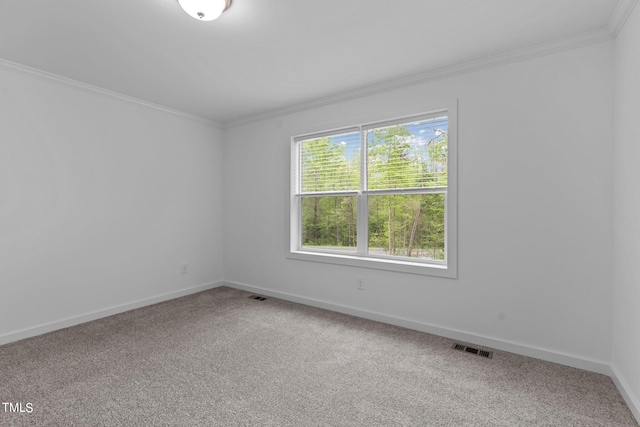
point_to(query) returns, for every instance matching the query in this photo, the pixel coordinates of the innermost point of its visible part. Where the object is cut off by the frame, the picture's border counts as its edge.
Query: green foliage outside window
(398, 158)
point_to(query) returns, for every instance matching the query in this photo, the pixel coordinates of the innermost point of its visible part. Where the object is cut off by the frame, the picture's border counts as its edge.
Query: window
(379, 195)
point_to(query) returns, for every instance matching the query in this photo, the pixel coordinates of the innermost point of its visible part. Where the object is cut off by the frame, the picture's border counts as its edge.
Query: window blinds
(330, 163)
(408, 155)
(399, 156)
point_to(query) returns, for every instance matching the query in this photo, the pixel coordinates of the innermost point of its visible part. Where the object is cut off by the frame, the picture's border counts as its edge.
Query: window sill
(401, 266)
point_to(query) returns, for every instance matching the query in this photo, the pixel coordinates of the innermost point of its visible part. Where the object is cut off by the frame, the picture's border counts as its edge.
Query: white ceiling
(263, 55)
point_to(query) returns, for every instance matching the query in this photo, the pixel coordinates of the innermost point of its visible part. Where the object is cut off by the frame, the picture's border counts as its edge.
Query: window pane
(331, 163)
(407, 225)
(410, 155)
(329, 223)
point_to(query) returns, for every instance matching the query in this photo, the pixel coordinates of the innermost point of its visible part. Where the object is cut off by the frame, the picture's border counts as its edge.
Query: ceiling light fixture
(205, 10)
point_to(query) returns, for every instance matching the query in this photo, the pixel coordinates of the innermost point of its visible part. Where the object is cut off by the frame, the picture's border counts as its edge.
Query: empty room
(320, 213)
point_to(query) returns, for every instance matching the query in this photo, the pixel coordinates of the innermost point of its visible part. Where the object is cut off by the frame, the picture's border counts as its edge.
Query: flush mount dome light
(205, 10)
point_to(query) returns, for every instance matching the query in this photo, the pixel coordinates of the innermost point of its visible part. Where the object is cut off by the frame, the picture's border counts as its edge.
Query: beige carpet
(218, 358)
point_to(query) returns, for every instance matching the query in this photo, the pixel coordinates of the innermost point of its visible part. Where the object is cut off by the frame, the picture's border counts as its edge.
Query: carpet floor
(218, 358)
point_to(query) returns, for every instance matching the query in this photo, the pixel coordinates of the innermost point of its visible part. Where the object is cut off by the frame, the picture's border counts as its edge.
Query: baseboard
(76, 320)
(632, 401)
(576, 362)
(524, 350)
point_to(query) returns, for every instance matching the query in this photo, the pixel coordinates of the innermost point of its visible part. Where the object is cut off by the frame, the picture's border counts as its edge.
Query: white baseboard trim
(632, 401)
(524, 350)
(576, 362)
(76, 320)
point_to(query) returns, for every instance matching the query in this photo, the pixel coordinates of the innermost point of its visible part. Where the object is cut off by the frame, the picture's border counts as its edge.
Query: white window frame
(447, 268)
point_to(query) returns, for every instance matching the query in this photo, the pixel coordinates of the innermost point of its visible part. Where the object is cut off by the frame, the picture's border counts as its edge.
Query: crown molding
(24, 69)
(567, 43)
(620, 15)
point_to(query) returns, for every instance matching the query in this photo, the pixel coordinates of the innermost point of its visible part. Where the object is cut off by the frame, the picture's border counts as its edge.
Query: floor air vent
(257, 297)
(473, 350)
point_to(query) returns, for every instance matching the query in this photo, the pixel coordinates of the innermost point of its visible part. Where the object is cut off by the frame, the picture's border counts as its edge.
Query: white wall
(626, 284)
(101, 201)
(535, 207)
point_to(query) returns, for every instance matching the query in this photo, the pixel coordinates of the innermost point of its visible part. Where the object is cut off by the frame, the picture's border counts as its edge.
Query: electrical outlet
(360, 284)
(184, 269)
